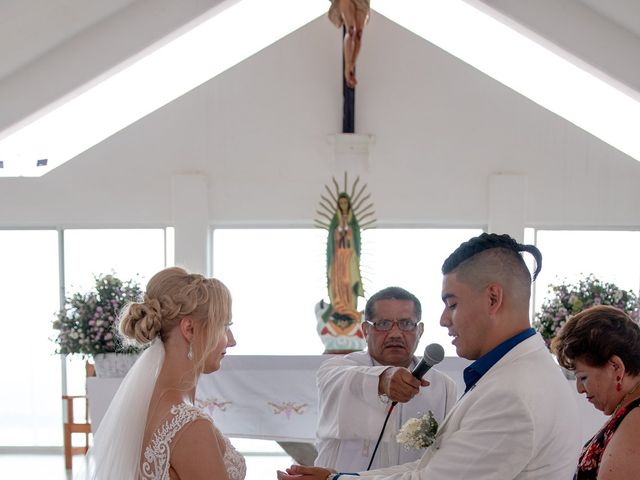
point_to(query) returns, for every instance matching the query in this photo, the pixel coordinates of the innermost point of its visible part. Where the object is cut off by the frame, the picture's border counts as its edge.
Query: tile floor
(51, 466)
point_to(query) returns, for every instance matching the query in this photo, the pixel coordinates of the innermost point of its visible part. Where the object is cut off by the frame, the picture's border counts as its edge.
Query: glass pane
(30, 396)
(412, 259)
(276, 276)
(611, 256)
(127, 253)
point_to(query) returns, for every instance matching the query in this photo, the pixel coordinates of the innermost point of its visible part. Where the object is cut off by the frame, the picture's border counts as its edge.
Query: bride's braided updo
(171, 295)
(142, 321)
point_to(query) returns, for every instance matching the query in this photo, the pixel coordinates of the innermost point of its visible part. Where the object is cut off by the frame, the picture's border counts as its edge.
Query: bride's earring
(190, 353)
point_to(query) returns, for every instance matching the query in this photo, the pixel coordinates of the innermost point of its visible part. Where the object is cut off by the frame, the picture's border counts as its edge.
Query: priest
(355, 390)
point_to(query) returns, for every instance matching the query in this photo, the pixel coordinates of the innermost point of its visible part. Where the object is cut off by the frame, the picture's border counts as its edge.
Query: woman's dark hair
(594, 335)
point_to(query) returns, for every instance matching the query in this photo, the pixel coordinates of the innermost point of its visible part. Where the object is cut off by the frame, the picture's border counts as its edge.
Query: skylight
(236, 31)
(527, 64)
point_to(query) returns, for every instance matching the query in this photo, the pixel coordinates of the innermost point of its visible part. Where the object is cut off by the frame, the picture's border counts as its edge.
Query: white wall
(258, 135)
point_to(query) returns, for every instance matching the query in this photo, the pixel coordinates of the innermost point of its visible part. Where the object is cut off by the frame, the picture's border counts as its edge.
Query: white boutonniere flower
(418, 432)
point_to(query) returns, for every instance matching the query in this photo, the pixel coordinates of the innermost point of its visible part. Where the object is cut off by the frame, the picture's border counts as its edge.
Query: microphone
(433, 354)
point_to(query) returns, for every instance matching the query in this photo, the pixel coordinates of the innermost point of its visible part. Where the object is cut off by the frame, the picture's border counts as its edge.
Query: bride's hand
(301, 472)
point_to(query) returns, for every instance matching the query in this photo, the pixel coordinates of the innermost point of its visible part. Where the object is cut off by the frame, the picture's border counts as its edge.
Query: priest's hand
(301, 472)
(399, 385)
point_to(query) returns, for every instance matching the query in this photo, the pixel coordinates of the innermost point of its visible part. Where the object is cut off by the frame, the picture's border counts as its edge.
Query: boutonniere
(418, 432)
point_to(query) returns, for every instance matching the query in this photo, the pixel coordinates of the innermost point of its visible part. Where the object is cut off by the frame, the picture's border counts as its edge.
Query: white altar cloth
(275, 398)
(260, 397)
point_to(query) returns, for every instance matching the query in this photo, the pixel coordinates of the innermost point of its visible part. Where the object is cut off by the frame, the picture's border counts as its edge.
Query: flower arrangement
(566, 300)
(88, 323)
(418, 432)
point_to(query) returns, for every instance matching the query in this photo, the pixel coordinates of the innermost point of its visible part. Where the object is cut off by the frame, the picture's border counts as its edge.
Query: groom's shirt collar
(482, 365)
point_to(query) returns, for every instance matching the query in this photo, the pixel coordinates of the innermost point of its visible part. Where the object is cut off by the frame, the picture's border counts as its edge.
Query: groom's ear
(186, 328)
(495, 297)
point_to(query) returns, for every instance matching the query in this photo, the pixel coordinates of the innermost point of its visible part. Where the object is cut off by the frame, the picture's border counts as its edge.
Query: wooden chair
(72, 426)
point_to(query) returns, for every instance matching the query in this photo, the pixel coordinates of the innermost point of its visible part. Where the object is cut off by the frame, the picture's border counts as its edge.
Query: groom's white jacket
(520, 422)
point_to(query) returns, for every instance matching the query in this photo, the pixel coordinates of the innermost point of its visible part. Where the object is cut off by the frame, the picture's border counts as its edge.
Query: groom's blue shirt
(477, 369)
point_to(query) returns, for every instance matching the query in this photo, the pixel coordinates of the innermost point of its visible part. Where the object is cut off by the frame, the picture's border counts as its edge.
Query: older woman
(602, 345)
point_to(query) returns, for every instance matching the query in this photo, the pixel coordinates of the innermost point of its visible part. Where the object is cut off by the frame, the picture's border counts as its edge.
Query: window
(128, 253)
(30, 405)
(612, 256)
(276, 276)
(412, 259)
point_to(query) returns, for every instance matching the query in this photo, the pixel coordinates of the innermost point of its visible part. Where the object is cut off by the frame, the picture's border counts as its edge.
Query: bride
(152, 429)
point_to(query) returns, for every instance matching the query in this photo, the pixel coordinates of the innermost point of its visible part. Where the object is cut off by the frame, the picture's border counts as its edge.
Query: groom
(517, 418)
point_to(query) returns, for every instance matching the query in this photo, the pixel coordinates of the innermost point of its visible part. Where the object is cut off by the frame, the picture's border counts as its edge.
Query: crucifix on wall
(351, 15)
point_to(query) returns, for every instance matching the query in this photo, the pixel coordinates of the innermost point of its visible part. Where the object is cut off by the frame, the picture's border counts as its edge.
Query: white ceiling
(30, 28)
(50, 48)
(625, 13)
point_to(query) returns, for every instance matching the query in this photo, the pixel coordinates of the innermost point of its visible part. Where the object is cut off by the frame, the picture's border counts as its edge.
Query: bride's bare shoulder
(199, 451)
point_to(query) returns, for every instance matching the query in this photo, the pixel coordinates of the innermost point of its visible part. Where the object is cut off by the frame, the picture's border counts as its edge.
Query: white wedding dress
(157, 454)
(117, 450)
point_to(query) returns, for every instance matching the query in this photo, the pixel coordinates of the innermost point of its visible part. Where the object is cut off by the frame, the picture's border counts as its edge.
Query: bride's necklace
(624, 399)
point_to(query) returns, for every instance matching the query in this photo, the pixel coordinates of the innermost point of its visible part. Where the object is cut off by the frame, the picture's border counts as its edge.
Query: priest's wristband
(336, 476)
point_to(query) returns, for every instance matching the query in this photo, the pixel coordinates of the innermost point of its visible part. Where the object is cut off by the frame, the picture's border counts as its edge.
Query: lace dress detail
(157, 454)
(234, 462)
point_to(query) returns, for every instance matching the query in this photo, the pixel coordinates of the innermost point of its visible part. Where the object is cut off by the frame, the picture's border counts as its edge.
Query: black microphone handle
(421, 369)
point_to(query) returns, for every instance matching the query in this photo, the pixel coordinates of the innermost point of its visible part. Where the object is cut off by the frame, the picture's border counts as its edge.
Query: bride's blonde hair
(171, 295)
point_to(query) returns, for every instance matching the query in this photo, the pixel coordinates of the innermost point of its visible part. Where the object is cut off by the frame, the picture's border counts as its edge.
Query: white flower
(418, 432)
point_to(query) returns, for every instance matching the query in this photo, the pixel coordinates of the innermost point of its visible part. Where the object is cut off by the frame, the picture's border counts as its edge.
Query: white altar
(274, 397)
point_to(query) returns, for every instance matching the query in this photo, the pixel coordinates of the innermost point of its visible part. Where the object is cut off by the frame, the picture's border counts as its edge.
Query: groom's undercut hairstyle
(494, 258)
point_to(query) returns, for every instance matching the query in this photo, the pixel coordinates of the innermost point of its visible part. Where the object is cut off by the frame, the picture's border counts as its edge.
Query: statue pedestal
(337, 338)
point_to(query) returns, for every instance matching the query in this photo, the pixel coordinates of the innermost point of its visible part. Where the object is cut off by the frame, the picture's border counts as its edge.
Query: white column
(190, 201)
(507, 204)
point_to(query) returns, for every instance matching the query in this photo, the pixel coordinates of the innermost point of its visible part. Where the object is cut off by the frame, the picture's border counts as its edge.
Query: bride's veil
(118, 440)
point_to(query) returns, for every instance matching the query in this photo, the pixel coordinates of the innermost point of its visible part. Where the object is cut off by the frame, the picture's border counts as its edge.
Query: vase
(114, 365)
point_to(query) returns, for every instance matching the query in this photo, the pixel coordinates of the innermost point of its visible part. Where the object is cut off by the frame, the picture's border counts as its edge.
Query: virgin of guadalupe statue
(340, 322)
